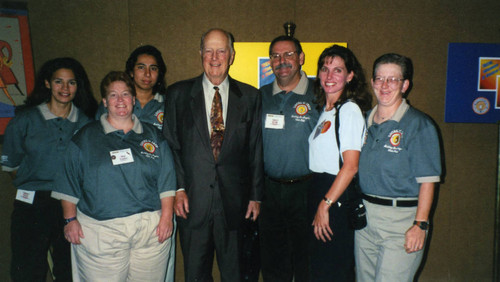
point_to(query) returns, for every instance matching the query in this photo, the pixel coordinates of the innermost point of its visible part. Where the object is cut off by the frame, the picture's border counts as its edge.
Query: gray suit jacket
(239, 168)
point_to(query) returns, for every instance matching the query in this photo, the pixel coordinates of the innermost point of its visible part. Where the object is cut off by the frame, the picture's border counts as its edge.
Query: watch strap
(68, 220)
(424, 225)
(328, 201)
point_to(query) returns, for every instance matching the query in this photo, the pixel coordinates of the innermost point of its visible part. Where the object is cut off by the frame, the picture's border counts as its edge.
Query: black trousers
(284, 228)
(333, 260)
(34, 229)
(198, 246)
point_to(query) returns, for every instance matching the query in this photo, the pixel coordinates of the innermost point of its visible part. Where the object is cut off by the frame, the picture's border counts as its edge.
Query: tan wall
(102, 33)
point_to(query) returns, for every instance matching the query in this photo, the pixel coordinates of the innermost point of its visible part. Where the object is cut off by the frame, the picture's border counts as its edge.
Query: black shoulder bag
(357, 210)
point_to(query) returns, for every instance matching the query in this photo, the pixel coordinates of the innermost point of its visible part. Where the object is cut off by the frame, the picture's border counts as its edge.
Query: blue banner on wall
(473, 83)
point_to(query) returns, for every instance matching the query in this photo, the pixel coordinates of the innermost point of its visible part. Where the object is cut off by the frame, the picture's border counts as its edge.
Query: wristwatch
(424, 225)
(68, 220)
(328, 201)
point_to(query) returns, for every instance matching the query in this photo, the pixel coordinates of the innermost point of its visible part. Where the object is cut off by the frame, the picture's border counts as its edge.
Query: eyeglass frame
(284, 55)
(391, 81)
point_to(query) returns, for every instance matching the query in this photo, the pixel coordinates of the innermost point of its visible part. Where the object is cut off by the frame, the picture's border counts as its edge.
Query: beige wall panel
(175, 27)
(101, 34)
(472, 194)
(92, 31)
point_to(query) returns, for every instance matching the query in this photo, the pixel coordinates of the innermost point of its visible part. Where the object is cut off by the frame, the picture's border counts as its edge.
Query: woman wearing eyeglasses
(341, 94)
(399, 164)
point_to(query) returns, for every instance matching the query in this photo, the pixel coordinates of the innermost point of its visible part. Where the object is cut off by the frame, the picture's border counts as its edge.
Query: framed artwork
(473, 83)
(17, 76)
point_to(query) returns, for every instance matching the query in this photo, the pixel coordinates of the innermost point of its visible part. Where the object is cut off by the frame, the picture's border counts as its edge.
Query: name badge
(25, 196)
(123, 156)
(275, 121)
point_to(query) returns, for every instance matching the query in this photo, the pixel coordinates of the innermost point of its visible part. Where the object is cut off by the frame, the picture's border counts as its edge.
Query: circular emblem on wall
(326, 126)
(159, 117)
(395, 139)
(149, 147)
(481, 106)
(301, 109)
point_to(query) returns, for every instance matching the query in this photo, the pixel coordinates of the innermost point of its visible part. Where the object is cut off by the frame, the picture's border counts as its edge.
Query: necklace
(378, 117)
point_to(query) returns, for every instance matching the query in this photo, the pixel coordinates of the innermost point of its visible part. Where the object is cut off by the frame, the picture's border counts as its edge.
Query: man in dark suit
(213, 125)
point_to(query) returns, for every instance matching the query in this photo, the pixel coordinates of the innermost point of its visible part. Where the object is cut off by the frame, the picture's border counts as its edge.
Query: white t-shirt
(323, 150)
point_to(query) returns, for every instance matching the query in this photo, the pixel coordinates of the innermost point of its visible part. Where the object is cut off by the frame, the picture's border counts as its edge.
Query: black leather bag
(357, 210)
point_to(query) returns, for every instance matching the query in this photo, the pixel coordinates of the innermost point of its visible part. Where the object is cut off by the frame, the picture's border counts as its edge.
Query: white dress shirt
(209, 92)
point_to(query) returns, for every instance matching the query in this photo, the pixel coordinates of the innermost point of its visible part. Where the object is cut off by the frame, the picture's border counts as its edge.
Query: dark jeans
(284, 231)
(333, 260)
(35, 228)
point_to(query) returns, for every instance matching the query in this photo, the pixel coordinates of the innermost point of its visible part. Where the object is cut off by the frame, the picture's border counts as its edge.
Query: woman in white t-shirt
(341, 90)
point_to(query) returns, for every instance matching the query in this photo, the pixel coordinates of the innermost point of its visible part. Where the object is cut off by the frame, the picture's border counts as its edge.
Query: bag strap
(337, 126)
(350, 194)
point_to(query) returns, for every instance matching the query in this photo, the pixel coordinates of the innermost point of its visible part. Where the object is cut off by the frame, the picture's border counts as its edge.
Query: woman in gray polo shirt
(399, 164)
(117, 192)
(33, 150)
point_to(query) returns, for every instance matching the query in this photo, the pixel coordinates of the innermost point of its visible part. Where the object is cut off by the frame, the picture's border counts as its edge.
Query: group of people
(317, 136)
(217, 152)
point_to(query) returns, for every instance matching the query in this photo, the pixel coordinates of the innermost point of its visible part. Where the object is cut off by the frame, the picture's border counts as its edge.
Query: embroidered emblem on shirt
(159, 116)
(301, 109)
(149, 146)
(395, 138)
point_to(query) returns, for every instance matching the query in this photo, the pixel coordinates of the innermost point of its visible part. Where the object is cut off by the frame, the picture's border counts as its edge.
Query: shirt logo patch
(150, 148)
(394, 141)
(395, 138)
(301, 109)
(325, 126)
(159, 116)
(322, 128)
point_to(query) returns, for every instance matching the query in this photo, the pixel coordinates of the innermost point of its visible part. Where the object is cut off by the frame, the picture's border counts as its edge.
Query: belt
(291, 181)
(389, 202)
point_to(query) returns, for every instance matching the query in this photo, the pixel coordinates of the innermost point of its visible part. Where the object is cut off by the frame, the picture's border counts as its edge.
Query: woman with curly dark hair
(34, 144)
(342, 96)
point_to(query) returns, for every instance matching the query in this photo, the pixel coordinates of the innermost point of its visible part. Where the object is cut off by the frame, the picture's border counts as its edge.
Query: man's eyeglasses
(391, 81)
(286, 56)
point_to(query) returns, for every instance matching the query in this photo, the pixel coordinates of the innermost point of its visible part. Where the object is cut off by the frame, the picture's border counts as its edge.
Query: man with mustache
(289, 115)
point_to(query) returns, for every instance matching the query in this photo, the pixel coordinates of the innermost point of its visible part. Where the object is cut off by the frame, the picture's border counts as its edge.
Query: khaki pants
(379, 247)
(120, 249)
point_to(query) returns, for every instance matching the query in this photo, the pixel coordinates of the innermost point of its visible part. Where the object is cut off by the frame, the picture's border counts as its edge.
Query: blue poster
(473, 83)
(266, 74)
